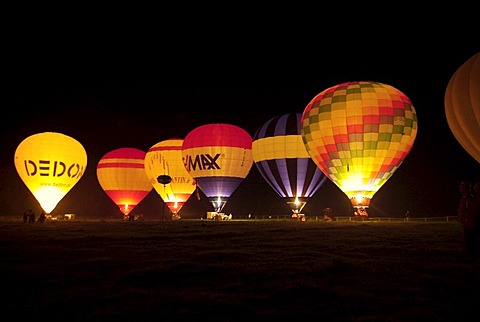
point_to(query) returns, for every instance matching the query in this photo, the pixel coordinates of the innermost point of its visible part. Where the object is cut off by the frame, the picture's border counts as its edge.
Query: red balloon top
(218, 134)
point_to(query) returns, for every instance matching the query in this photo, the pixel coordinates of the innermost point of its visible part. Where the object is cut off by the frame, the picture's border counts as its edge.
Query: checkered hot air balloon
(218, 156)
(121, 174)
(358, 134)
(283, 161)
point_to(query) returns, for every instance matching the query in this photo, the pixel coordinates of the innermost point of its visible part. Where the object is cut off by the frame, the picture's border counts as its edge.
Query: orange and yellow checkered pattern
(358, 134)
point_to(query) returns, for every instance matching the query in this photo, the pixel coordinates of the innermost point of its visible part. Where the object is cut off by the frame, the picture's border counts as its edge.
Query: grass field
(237, 271)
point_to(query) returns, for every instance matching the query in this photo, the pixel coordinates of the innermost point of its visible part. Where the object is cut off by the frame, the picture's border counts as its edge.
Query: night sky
(109, 91)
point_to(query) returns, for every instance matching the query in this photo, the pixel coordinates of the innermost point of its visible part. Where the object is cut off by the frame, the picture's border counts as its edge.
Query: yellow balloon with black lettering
(218, 156)
(50, 164)
(165, 158)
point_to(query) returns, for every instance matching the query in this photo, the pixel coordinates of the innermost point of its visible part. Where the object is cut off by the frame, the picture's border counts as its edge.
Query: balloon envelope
(462, 105)
(121, 174)
(283, 161)
(165, 158)
(358, 134)
(218, 156)
(50, 164)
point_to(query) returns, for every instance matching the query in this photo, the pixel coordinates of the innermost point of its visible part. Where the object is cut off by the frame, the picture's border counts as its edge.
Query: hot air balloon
(121, 174)
(218, 156)
(50, 164)
(462, 105)
(283, 161)
(165, 159)
(358, 134)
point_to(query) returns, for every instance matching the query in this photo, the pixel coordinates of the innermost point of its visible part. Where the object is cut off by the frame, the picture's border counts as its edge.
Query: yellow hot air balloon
(358, 134)
(121, 174)
(50, 164)
(165, 158)
(218, 156)
(462, 105)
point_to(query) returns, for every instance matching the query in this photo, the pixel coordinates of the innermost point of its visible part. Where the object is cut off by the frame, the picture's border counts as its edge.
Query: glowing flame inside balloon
(50, 164)
(296, 205)
(283, 161)
(358, 134)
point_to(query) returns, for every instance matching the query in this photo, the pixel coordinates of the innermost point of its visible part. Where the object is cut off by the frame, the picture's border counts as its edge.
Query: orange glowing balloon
(50, 164)
(165, 158)
(122, 176)
(462, 105)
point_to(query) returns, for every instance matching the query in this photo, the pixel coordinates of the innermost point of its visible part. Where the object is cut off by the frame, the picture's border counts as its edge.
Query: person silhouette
(29, 216)
(26, 215)
(469, 216)
(42, 217)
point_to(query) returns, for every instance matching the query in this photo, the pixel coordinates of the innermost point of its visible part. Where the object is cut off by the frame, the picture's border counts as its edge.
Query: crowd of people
(29, 216)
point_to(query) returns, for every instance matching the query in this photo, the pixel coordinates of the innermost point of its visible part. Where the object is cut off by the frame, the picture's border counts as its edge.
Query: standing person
(469, 217)
(29, 216)
(26, 215)
(42, 217)
(476, 191)
(476, 198)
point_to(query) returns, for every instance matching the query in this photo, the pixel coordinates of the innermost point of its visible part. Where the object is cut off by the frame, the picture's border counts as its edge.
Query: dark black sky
(132, 87)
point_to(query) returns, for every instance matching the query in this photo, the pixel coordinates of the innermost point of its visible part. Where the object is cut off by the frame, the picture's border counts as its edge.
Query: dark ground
(237, 270)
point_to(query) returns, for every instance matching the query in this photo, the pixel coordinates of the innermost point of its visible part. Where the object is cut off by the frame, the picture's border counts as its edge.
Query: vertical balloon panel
(358, 134)
(121, 174)
(462, 105)
(218, 156)
(50, 164)
(165, 158)
(283, 161)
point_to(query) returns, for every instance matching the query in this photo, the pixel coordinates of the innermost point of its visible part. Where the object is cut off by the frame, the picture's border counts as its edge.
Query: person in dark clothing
(469, 217)
(29, 216)
(42, 217)
(26, 215)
